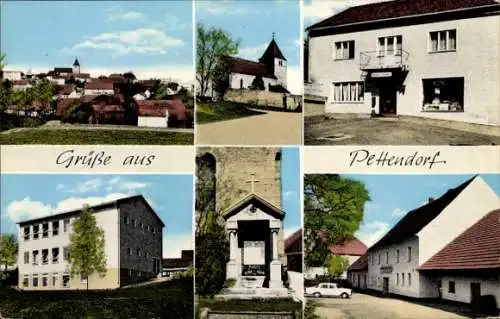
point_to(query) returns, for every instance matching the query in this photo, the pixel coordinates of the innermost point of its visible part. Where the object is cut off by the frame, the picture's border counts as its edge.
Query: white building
(394, 262)
(410, 57)
(98, 87)
(12, 75)
(21, 85)
(133, 247)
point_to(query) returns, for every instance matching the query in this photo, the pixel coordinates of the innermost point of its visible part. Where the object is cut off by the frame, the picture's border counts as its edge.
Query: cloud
(224, 7)
(294, 79)
(141, 41)
(128, 186)
(172, 22)
(319, 9)
(287, 195)
(28, 208)
(120, 14)
(398, 212)
(174, 244)
(88, 186)
(253, 53)
(371, 232)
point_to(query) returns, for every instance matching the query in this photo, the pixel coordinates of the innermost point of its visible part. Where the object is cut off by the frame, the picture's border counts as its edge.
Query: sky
(392, 196)
(171, 196)
(150, 38)
(253, 23)
(291, 189)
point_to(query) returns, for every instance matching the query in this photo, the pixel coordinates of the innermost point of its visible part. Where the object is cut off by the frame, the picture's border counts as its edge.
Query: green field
(222, 111)
(173, 299)
(101, 136)
(252, 305)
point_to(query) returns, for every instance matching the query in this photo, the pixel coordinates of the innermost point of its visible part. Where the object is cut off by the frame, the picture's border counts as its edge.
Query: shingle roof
(360, 264)
(158, 108)
(397, 9)
(272, 51)
(242, 66)
(353, 247)
(418, 218)
(478, 247)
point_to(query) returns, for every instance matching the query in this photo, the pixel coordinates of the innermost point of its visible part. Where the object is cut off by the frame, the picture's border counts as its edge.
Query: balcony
(377, 60)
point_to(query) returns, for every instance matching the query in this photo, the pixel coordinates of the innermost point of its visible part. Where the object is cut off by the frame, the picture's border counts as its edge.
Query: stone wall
(249, 315)
(312, 109)
(263, 98)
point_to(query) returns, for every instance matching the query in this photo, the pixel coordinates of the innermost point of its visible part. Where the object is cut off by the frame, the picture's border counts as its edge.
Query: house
(162, 113)
(12, 75)
(133, 247)
(173, 266)
(357, 273)
(21, 85)
(410, 57)
(405, 261)
(294, 252)
(98, 87)
(69, 91)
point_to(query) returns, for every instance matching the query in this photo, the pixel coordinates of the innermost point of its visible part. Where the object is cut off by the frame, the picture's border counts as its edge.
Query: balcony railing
(376, 60)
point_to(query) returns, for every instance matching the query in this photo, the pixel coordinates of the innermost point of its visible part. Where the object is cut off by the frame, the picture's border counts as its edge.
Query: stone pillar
(275, 266)
(232, 265)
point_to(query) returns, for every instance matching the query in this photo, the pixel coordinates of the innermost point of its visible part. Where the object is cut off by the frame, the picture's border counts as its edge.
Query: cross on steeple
(252, 182)
(273, 35)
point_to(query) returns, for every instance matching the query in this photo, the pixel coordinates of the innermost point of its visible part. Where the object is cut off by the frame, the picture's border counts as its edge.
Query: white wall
(280, 71)
(296, 281)
(474, 202)
(476, 59)
(98, 91)
(152, 121)
(234, 80)
(12, 75)
(489, 286)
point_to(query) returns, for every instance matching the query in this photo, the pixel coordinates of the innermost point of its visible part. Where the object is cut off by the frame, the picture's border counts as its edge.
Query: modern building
(410, 260)
(133, 247)
(409, 57)
(173, 266)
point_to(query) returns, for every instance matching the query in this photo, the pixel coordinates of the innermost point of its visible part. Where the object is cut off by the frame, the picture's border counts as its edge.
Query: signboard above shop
(381, 74)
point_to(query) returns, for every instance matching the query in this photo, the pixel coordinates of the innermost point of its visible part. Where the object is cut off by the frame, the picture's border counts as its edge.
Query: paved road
(398, 131)
(271, 128)
(362, 306)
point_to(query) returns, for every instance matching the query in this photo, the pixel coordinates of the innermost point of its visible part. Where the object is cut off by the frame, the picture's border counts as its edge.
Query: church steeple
(76, 66)
(275, 61)
(272, 52)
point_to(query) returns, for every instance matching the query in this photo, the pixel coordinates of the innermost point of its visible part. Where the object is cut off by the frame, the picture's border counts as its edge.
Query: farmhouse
(98, 87)
(133, 247)
(410, 57)
(357, 273)
(161, 113)
(446, 249)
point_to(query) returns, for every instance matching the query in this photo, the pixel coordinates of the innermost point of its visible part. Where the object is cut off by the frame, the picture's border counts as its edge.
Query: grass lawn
(221, 111)
(264, 305)
(118, 137)
(173, 299)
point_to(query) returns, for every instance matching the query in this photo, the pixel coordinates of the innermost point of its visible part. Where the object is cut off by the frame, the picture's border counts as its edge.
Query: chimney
(431, 199)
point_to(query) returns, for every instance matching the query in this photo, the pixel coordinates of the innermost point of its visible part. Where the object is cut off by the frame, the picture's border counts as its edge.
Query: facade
(294, 252)
(21, 85)
(133, 247)
(410, 57)
(12, 75)
(395, 261)
(173, 266)
(99, 87)
(357, 273)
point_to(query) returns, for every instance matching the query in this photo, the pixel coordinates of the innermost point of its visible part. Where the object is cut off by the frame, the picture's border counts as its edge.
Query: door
(475, 293)
(385, 285)
(388, 98)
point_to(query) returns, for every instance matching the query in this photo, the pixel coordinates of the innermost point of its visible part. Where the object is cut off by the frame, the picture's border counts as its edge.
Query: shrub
(229, 283)
(310, 310)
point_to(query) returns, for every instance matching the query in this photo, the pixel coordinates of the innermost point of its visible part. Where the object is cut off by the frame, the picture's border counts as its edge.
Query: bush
(310, 310)
(229, 283)
(10, 121)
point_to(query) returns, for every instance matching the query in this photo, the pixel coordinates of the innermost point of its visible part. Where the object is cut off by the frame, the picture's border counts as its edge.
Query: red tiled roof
(360, 264)
(293, 244)
(476, 248)
(418, 218)
(99, 85)
(353, 247)
(397, 9)
(158, 108)
(248, 67)
(21, 82)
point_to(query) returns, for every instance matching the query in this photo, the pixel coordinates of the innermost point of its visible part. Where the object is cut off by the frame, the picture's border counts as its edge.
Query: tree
(86, 250)
(5, 94)
(212, 47)
(2, 61)
(337, 265)
(258, 83)
(8, 251)
(43, 92)
(333, 211)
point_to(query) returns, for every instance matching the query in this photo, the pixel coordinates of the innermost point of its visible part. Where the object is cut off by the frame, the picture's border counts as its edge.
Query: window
(65, 281)
(130, 272)
(45, 230)
(83, 279)
(45, 280)
(66, 253)
(373, 260)
(27, 233)
(35, 231)
(379, 258)
(451, 287)
(154, 230)
(146, 255)
(397, 256)
(127, 220)
(386, 257)
(142, 226)
(409, 279)
(138, 251)
(344, 50)
(26, 257)
(149, 228)
(241, 83)
(390, 45)
(129, 251)
(35, 280)
(397, 279)
(55, 228)
(403, 279)
(348, 92)
(134, 222)
(443, 94)
(35, 257)
(66, 225)
(409, 254)
(54, 279)
(55, 255)
(45, 256)
(26, 281)
(442, 41)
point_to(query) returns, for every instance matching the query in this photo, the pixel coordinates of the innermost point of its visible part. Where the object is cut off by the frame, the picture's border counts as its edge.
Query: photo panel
(248, 224)
(125, 78)
(248, 73)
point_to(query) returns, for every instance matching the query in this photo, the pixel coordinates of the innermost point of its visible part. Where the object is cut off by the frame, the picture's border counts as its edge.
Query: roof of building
(256, 201)
(62, 70)
(76, 63)
(99, 85)
(352, 247)
(396, 10)
(272, 52)
(478, 247)
(293, 244)
(158, 108)
(82, 75)
(360, 264)
(101, 206)
(418, 218)
(21, 82)
(242, 66)
(185, 261)
(278, 89)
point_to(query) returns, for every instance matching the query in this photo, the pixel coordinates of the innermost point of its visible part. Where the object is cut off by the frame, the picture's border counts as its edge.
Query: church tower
(275, 61)
(76, 66)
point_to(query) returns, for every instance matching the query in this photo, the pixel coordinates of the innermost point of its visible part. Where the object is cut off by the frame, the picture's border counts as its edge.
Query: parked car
(328, 290)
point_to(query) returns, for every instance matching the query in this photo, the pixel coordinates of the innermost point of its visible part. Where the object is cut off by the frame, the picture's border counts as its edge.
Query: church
(271, 68)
